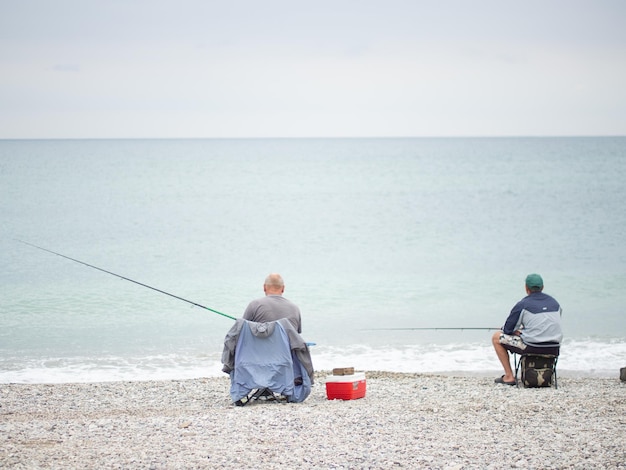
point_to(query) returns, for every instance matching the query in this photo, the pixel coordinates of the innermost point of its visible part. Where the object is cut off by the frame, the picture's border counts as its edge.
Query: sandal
(501, 381)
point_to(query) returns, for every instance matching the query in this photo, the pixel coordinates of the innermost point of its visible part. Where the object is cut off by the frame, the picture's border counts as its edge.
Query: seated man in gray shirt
(273, 306)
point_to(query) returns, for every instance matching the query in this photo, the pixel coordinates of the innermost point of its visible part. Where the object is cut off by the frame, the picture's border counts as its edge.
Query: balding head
(274, 284)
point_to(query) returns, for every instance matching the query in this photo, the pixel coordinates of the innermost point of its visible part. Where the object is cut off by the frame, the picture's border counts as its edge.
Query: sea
(403, 254)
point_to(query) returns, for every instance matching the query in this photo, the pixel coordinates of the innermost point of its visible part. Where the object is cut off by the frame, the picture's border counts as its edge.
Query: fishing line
(215, 311)
(127, 279)
(431, 328)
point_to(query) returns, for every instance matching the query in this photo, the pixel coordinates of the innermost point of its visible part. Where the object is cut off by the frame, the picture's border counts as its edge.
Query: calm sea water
(369, 234)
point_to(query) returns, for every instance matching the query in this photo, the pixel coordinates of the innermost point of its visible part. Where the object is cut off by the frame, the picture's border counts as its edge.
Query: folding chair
(537, 370)
(267, 361)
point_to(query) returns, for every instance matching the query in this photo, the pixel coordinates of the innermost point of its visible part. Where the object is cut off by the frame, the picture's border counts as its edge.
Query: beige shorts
(512, 342)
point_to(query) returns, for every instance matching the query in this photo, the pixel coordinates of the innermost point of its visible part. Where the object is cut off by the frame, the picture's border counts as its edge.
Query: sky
(341, 68)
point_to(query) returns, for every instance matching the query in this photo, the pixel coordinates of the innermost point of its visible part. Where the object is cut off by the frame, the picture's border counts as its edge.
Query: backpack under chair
(537, 370)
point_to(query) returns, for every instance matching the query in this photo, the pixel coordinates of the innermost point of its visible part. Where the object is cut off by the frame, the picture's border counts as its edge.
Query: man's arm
(511, 321)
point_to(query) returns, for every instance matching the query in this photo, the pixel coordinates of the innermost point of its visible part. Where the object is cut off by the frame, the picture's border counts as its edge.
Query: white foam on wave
(584, 357)
(579, 357)
(111, 369)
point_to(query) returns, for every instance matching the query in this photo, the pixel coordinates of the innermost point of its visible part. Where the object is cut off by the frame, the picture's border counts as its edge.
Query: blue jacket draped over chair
(268, 355)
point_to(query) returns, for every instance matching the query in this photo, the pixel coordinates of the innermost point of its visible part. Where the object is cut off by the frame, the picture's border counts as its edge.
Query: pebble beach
(404, 421)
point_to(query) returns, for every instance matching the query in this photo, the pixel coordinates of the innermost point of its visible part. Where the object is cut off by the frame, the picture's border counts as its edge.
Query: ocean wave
(581, 357)
(108, 369)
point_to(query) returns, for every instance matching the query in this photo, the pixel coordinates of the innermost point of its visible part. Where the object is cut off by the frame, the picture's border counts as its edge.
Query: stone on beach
(405, 420)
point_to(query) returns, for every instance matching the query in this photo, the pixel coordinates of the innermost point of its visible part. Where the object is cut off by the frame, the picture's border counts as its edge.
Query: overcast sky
(272, 68)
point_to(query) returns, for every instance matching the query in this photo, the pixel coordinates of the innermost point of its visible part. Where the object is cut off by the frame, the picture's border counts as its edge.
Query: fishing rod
(127, 279)
(431, 328)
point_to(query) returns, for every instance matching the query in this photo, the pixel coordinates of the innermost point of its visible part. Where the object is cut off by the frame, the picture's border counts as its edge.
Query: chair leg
(517, 363)
(554, 372)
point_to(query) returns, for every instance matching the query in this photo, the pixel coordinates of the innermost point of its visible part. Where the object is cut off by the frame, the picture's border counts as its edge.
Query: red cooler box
(345, 387)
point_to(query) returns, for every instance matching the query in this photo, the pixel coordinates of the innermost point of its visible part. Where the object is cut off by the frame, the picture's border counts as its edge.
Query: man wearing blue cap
(533, 326)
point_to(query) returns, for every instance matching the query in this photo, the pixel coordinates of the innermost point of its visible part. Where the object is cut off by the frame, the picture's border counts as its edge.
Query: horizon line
(529, 136)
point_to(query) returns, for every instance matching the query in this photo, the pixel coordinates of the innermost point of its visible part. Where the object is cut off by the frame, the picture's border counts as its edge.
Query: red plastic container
(345, 387)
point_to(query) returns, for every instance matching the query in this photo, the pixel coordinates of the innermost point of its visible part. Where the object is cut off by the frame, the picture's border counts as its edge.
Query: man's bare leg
(503, 356)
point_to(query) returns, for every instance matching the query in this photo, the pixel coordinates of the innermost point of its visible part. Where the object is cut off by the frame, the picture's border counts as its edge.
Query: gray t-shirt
(272, 308)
